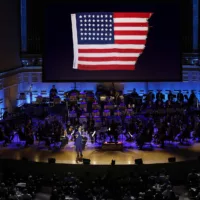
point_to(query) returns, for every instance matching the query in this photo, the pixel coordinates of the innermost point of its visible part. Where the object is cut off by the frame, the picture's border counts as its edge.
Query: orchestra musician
(112, 94)
(150, 97)
(180, 97)
(78, 145)
(150, 105)
(113, 131)
(192, 98)
(4, 137)
(53, 93)
(159, 105)
(169, 104)
(29, 134)
(170, 96)
(118, 99)
(134, 94)
(159, 96)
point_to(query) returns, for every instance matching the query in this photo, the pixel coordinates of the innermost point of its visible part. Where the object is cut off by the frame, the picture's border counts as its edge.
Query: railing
(36, 60)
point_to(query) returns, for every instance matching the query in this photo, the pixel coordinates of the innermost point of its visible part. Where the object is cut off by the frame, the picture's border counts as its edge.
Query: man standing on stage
(78, 144)
(53, 93)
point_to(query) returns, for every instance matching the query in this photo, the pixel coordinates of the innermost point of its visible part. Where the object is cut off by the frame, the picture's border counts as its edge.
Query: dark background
(10, 29)
(160, 61)
(35, 13)
(9, 34)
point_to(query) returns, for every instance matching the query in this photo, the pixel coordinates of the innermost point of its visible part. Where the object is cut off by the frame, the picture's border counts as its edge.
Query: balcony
(192, 59)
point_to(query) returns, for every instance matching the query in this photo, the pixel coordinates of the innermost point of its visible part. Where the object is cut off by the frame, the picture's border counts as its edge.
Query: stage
(98, 156)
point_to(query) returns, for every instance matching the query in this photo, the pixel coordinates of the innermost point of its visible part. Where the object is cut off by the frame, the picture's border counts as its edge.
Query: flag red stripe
(106, 67)
(131, 24)
(130, 42)
(135, 14)
(130, 32)
(103, 59)
(110, 50)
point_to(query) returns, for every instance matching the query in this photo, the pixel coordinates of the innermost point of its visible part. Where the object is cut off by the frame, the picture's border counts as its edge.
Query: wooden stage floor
(101, 157)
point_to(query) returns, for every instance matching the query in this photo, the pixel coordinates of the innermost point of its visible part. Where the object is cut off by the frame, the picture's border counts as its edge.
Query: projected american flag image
(108, 41)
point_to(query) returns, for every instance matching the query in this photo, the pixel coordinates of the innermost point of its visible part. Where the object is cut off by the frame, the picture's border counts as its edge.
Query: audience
(135, 186)
(19, 188)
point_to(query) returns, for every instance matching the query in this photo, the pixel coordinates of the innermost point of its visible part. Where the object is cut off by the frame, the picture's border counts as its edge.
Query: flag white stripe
(101, 55)
(107, 63)
(130, 37)
(120, 28)
(75, 41)
(111, 46)
(129, 20)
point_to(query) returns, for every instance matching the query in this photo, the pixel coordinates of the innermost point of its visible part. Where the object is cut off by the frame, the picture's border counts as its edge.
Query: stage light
(36, 159)
(113, 162)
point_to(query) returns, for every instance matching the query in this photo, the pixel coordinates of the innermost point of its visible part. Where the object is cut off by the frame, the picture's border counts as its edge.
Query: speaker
(24, 159)
(86, 161)
(172, 160)
(138, 161)
(113, 162)
(51, 160)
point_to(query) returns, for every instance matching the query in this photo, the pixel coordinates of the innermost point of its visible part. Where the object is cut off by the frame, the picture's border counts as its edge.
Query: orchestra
(104, 116)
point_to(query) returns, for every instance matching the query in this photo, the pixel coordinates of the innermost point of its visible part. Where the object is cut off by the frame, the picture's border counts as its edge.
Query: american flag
(108, 41)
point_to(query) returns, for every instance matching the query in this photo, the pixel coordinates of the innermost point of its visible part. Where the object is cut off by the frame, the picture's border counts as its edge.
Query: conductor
(78, 144)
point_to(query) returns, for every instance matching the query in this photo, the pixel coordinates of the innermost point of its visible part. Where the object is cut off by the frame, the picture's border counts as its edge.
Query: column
(23, 26)
(195, 24)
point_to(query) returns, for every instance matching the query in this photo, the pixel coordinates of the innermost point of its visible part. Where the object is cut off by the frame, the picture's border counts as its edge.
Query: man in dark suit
(180, 97)
(53, 93)
(79, 145)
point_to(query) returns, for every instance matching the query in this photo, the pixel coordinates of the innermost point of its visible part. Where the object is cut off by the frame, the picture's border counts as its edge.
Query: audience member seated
(19, 188)
(135, 186)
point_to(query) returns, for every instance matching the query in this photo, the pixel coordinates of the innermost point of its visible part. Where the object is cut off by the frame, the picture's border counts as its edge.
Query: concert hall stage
(98, 156)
